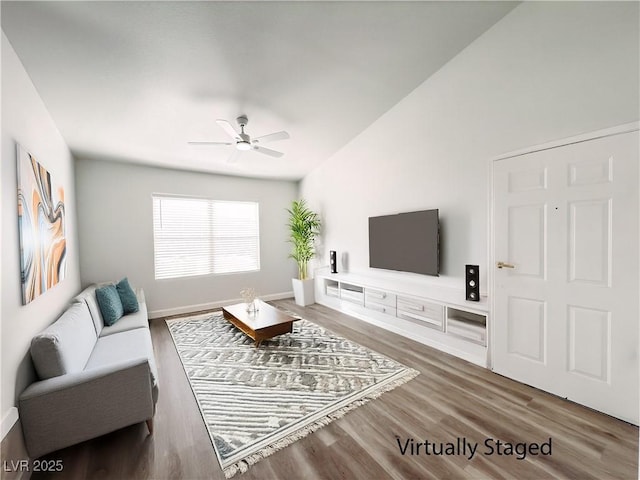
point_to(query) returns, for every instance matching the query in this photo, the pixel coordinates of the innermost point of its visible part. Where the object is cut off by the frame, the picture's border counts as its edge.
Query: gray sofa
(93, 379)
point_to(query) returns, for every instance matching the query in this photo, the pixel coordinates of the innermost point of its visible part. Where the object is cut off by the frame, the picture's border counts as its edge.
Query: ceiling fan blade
(226, 126)
(234, 156)
(210, 143)
(267, 151)
(272, 137)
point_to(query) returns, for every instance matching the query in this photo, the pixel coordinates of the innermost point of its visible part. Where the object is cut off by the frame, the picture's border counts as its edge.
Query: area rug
(255, 401)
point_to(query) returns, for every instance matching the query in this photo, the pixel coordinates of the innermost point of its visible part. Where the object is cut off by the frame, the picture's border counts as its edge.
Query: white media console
(436, 316)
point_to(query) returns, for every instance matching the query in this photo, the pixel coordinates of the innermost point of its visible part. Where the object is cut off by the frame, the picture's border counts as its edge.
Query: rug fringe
(243, 465)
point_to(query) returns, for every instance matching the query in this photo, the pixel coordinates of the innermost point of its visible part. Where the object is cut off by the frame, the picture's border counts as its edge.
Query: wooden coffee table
(266, 323)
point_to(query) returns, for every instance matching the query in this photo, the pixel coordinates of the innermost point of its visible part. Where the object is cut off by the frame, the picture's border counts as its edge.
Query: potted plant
(304, 226)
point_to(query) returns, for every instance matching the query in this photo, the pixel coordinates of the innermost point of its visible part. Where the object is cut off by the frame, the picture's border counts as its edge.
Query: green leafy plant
(304, 225)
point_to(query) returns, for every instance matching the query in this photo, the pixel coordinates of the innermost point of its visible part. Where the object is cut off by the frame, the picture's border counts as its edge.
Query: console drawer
(379, 307)
(379, 297)
(417, 310)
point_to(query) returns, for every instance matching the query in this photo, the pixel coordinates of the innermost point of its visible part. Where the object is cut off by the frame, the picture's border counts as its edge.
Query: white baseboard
(211, 305)
(8, 421)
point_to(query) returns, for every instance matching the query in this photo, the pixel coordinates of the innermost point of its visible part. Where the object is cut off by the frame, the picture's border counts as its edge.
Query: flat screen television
(407, 242)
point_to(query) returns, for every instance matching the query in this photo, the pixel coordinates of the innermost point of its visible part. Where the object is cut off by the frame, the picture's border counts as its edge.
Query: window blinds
(199, 236)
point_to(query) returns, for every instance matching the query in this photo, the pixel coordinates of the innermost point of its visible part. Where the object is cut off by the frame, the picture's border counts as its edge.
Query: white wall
(25, 120)
(116, 232)
(546, 71)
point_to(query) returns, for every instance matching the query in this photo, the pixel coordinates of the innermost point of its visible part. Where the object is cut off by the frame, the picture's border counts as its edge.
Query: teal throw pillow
(110, 304)
(127, 296)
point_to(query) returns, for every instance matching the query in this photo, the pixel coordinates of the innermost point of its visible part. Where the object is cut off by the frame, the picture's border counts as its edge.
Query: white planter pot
(303, 291)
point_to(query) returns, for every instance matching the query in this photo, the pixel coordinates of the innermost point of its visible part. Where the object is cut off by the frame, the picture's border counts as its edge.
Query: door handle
(505, 265)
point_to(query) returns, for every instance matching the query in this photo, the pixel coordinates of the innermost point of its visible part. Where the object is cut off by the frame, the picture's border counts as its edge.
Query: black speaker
(333, 261)
(472, 282)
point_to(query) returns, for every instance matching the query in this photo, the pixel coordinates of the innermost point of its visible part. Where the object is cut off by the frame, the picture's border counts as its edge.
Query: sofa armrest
(72, 408)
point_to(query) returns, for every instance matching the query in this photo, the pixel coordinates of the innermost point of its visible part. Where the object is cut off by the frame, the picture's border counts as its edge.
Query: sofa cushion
(112, 349)
(127, 322)
(127, 296)
(66, 345)
(110, 304)
(138, 319)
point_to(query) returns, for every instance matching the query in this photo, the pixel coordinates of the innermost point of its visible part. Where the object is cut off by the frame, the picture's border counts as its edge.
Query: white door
(566, 303)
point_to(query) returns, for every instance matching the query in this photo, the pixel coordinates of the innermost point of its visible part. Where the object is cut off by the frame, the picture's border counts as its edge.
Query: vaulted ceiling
(135, 81)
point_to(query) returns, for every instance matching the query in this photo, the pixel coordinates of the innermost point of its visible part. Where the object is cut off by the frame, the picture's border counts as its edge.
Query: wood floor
(450, 399)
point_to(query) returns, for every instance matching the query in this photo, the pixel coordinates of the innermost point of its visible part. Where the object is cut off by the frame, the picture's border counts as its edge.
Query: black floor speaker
(472, 282)
(333, 261)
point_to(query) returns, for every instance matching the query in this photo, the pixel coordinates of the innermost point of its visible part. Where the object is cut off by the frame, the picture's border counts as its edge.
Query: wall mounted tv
(407, 242)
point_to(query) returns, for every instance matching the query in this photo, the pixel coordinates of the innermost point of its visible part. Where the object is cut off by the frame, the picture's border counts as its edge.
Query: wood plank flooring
(450, 399)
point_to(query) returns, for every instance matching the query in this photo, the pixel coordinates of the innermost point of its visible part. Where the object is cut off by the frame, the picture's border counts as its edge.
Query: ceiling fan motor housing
(245, 141)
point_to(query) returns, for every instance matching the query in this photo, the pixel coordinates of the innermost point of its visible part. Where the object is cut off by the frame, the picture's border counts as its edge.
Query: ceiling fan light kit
(243, 141)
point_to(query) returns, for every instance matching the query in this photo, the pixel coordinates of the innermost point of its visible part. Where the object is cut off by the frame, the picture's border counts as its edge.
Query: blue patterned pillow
(110, 304)
(127, 296)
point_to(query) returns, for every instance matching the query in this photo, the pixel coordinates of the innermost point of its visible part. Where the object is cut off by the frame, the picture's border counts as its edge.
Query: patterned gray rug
(255, 401)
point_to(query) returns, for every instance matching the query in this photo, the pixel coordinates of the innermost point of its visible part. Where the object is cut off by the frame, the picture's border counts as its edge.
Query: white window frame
(195, 236)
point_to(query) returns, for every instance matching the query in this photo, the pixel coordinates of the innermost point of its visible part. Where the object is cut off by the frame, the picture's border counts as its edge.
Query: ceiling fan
(243, 142)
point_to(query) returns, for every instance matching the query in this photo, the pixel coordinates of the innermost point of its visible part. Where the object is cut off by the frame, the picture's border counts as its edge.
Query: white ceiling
(134, 81)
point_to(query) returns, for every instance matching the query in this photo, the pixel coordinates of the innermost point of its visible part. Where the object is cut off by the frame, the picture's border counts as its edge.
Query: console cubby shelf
(435, 316)
(468, 325)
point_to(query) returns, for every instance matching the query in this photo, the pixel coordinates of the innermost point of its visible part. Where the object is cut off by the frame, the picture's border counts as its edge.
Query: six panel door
(566, 315)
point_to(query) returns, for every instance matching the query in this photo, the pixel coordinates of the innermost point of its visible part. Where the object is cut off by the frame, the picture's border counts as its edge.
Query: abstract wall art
(41, 222)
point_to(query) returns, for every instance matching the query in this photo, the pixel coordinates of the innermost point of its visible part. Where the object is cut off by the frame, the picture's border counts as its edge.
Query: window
(199, 236)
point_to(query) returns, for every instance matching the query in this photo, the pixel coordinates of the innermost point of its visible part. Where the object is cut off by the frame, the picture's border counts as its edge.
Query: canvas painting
(41, 222)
